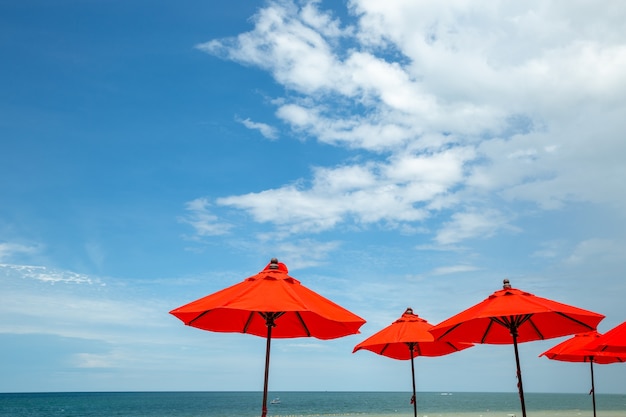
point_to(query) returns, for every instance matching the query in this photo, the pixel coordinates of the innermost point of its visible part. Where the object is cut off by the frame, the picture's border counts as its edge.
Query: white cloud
(266, 130)
(597, 250)
(8, 250)
(65, 304)
(453, 269)
(202, 220)
(471, 104)
(550, 249)
(472, 224)
(397, 191)
(289, 41)
(305, 253)
(45, 274)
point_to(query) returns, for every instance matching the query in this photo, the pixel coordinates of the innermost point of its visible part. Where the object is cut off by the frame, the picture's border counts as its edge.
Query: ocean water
(304, 404)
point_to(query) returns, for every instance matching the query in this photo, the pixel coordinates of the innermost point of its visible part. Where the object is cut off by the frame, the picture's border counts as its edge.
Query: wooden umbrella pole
(270, 323)
(414, 397)
(593, 389)
(267, 369)
(519, 373)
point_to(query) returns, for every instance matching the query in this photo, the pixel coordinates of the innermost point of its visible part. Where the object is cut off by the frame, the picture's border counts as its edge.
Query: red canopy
(407, 338)
(296, 310)
(612, 341)
(576, 349)
(532, 317)
(270, 304)
(514, 316)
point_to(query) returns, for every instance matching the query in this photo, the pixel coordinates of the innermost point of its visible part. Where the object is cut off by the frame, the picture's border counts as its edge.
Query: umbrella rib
(270, 315)
(502, 321)
(496, 319)
(532, 323)
(452, 346)
(512, 323)
(198, 317)
(523, 319)
(304, 326)
(574, 320)
(245, 326)
(449, 331)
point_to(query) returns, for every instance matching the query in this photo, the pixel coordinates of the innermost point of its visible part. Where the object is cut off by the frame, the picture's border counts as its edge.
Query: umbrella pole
(519, 372)
(414, 397)
(593, 389)
(270, 324)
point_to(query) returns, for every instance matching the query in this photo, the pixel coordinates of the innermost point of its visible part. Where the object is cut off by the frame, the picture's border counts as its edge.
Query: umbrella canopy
(514, 316)
(270, 304)
(575, 349)
(612, 341)
(407, 338)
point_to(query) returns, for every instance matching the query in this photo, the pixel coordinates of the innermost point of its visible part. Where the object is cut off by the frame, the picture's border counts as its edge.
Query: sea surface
(304, 404)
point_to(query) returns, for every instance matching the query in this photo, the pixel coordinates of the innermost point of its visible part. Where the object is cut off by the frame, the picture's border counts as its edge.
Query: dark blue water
(248, 404)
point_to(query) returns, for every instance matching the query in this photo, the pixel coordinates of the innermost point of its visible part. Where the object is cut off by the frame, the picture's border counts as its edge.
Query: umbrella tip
(274, 263)
(506, 284)
(409, 310)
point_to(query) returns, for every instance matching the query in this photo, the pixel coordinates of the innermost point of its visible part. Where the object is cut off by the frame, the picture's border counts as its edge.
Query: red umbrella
(407, 338)
(270, 304)
(612, 341)
(514, 316)
(575, 349)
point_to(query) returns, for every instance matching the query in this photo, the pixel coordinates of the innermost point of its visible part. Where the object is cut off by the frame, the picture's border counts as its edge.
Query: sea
(305, 404)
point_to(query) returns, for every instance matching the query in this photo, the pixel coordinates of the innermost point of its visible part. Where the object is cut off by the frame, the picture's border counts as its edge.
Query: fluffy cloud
(450, 105)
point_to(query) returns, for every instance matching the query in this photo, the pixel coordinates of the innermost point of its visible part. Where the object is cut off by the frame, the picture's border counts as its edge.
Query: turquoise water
(248, 404)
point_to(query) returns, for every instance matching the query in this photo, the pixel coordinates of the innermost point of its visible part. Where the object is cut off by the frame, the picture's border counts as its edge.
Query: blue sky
(392, 154)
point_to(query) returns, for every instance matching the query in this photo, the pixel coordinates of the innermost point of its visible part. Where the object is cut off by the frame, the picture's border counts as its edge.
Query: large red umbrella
(575, 349)
(270, 304)
(612, 341)
(407, 338)
(514, 316)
